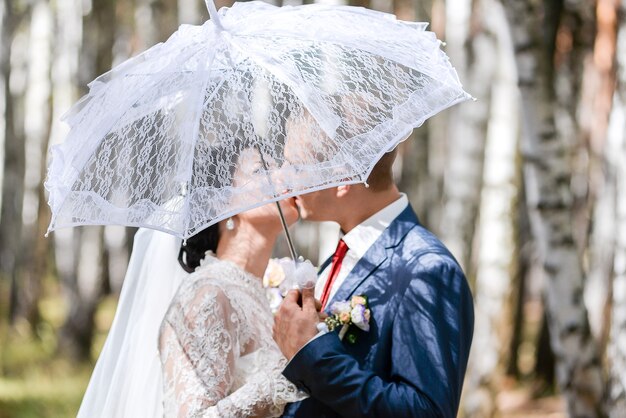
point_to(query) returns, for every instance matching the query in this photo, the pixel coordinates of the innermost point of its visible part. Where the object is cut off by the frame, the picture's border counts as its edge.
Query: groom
(412, 361)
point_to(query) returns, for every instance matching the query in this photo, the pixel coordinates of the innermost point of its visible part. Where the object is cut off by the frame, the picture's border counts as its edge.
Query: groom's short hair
(381, 177)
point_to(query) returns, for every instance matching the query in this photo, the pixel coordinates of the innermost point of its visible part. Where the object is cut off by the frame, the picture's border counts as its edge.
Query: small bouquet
(282, 275)
(345, 313)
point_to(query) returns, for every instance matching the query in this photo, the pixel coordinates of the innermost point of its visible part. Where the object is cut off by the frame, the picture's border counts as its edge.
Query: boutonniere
(345, 313)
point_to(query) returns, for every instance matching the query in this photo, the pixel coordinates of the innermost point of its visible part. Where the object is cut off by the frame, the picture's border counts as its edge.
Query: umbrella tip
(210, 5)
(366, 184)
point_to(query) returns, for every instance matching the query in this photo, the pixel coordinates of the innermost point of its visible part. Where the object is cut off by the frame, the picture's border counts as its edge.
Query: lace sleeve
(198, 348)
(264, 395)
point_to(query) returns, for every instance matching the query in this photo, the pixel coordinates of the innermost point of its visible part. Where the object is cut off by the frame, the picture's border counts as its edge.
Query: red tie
(340, 253)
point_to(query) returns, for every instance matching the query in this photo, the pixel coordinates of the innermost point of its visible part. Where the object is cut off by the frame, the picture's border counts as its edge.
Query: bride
(199, 344)
(216, 346)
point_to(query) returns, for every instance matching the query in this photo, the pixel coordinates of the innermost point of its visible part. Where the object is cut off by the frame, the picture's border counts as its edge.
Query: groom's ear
(342, 190)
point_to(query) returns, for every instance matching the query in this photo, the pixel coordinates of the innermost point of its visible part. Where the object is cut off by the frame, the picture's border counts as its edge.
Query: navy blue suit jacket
(412, 361)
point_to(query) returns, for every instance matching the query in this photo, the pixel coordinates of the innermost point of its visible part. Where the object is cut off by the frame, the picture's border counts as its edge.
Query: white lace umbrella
(320, 92)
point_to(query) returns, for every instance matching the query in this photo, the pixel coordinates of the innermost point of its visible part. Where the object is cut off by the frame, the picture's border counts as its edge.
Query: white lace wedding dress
(216, 348)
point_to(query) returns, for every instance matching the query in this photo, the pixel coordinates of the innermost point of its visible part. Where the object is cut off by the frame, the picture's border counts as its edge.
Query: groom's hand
(294, 324)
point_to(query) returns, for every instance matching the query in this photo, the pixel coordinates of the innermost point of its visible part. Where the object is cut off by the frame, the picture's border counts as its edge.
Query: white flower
(274, 273)
(359, 317)
(274, 297)
(358, 300)
(306, 275)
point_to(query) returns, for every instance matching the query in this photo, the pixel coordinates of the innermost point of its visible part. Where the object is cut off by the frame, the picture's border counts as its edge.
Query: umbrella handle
(292, 249)
(210, 5)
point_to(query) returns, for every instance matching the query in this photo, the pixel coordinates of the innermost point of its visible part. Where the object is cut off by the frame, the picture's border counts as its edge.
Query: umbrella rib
(196, 126)
(342, 42)
(318, 106)
(72, 171)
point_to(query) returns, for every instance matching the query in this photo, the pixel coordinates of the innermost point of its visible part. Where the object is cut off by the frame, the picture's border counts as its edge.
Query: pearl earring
(230, 224)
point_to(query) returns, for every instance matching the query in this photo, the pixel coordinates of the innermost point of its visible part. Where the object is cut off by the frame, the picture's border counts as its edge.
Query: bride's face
(249, 166)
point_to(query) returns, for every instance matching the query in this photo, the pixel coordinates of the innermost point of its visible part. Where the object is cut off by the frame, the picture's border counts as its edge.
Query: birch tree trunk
(78, 250)
(69, 33)
(574, 26)
(472, 54)
(91, 279)
(146, 27)
(616, 350)
(547, 175)
(155, 21)
(616, 164)
(83, 290)
(598, 93)
(411, 168)
(496, 249)
(13, 164)
(34, 247)
(189, 11)
(432, 185)
(5, 56)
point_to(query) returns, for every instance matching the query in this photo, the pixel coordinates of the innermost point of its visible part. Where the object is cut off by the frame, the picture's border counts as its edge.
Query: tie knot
(341, 250)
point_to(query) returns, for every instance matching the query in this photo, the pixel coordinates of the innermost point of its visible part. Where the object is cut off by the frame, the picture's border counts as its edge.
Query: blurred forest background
(527, 186)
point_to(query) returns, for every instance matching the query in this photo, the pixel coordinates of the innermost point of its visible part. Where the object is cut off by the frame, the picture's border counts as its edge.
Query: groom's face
(306, 144)
(317, 206)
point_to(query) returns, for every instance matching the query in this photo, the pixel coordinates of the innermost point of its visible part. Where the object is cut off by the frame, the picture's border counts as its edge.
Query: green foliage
(41, 395)
(37, 382)
(35, 379)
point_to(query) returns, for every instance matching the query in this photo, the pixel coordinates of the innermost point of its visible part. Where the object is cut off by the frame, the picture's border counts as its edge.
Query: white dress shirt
(359, 240)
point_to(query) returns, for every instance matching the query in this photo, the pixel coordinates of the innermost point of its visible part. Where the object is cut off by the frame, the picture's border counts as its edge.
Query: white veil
(127, 380)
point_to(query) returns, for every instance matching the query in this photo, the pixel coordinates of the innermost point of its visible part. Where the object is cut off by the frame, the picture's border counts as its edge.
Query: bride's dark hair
(193, 251)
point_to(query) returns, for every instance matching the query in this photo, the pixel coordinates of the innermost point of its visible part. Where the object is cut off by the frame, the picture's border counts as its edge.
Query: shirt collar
(362, 236)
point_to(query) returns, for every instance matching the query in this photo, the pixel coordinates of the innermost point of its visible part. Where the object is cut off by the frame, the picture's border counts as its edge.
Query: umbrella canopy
(317, 93)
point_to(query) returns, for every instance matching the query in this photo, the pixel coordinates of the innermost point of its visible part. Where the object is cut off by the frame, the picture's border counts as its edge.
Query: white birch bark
(432, 184)
(616, 156)
(411, 166)
(13, 152)
(155, 21)
(473, 58)
(15, 72)
(68, 17)
(38, 90)
(189, 11)
(601, 254)
(547, 174)
(598, 93)
(616, 349)
(146, 24)
(77, 250)
(601, 257)
(496, 240)
(34, 247)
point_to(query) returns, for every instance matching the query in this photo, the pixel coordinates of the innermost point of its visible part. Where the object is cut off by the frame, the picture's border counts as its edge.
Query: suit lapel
(376, 254)
(324, 265)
